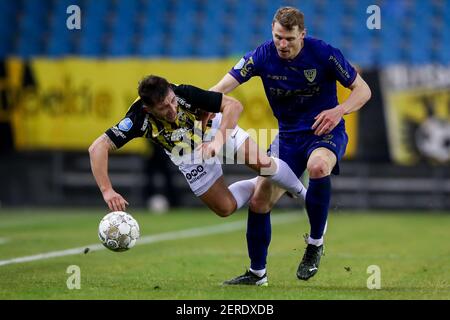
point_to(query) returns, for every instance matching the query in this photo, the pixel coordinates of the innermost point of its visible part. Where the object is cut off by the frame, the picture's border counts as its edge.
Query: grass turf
(411, 249)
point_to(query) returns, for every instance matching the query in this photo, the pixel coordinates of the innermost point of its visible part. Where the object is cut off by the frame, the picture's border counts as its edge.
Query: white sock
(286, 179)
(259, 273)
(242, 191)
(316, 242)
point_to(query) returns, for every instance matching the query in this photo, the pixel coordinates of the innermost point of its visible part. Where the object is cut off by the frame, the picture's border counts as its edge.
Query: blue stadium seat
(8, 13)
(186, 28)
(333, 14)
(182, 36)
(95, 16)
(32, 28)
(443, 53)
(152, 33)
(60, 41)
(361, 53)
(243, 31)
(151, 42)
(29, 47)
(212, 30)
(58, 47)
(7, 34)
(307, 7)
(123, 28)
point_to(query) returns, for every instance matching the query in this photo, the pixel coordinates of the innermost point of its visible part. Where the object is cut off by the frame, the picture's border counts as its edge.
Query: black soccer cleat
(310, 263)
(249, 279)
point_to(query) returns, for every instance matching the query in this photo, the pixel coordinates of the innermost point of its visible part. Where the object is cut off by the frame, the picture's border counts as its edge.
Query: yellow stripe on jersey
(185, 133)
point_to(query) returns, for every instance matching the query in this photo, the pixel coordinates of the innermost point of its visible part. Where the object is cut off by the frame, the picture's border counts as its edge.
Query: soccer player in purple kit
(299, 76)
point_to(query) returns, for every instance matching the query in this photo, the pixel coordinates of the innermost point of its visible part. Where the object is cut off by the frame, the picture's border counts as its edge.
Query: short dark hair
(289, 17)
(153, 90)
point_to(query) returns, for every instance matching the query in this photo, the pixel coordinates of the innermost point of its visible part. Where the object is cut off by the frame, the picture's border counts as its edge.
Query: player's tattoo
(111, 144)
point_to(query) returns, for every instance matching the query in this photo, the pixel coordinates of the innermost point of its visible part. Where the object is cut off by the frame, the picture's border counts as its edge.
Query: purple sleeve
(340, 68)
(246, 68)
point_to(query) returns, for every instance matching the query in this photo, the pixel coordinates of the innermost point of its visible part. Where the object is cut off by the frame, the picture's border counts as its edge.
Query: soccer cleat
(249, 278)
(310, 263)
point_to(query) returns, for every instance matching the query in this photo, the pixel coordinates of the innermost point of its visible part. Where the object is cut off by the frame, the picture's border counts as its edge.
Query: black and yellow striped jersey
(185, 132)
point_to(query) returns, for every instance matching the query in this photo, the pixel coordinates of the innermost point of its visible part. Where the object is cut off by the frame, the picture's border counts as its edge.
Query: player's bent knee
(260, 205)
(318, 168)
(225, 210)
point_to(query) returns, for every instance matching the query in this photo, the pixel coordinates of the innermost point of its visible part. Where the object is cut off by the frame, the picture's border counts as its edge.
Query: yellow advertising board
(419, 125)
(71, 101)
(351, 123)
(417, 111)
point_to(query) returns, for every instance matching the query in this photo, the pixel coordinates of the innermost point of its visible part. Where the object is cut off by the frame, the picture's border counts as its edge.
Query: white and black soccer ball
(118, 231)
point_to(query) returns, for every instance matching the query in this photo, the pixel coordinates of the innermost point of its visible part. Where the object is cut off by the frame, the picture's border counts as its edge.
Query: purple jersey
(298, 89)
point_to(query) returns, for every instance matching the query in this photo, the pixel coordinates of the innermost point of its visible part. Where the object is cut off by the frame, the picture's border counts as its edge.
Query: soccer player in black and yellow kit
(195, 127)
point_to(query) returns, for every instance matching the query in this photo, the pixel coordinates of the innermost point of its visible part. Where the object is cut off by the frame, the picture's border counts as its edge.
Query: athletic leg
(319, 166)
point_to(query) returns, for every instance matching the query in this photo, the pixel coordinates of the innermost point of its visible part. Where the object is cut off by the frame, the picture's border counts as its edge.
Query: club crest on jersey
(239, 65)
(248, 66)
(125, 125)
(310, 74)
(177, 134)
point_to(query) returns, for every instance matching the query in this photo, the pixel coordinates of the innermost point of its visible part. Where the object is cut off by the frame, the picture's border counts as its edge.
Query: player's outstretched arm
(226, 85)
(98, 154)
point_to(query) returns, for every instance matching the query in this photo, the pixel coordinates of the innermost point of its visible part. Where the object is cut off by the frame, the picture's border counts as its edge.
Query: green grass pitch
(412, 251)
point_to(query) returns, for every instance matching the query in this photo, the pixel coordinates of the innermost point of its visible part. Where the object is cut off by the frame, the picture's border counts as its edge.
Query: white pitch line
(173, 235)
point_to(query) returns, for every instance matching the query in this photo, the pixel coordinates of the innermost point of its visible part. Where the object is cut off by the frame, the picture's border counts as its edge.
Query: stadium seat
(61, 39)
(443, 53)
(153, 29)
(211, 30)
(95, 16)
(243, 29)
(123, 28)
(184, 26)
(8, 26)
(207, 29)
(32, 28)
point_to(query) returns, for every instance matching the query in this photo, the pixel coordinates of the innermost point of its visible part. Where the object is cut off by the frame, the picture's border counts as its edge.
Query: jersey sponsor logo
(145, 124)
(196, 174)
(327, 140)
(239, 65)
(340, 68)
(178, 134)
(248, 66)
(118, 133)
(310, 74)
(273, 77)
(125, 125)
(183, 103)
(307, 92)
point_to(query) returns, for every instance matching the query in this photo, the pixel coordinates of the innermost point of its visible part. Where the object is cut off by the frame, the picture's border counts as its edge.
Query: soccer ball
(118, 231)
